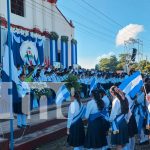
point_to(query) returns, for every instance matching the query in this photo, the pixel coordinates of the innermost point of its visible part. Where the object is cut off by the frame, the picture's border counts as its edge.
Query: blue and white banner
(26, 46)
(132, 84)
(62, 95)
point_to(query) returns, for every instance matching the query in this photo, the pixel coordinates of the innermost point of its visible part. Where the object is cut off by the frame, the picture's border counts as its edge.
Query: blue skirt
(132, 127)
(122, 137)
(96, 133)
(77, 134)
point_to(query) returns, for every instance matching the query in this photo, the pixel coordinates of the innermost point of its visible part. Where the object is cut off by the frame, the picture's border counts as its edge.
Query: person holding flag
(75, 126)
(120, 109)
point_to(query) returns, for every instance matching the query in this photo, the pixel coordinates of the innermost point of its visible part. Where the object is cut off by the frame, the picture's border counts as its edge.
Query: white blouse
(116, 109)
(91, 108)
(74, 110)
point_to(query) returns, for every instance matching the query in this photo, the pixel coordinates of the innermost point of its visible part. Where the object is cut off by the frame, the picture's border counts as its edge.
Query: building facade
(39, 24)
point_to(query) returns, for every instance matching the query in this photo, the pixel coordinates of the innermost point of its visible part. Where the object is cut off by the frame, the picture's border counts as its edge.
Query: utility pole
(0, 42)
(10, 73)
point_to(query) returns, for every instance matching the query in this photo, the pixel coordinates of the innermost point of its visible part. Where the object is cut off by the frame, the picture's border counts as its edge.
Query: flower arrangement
(40, 89)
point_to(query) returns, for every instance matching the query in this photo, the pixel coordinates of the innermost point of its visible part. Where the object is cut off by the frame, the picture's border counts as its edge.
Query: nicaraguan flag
(93, 85)
(62, 95)
(132, 84)
(5, 76)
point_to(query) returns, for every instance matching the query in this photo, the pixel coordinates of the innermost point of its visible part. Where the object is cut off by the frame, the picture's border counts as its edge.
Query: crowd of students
(111, 120)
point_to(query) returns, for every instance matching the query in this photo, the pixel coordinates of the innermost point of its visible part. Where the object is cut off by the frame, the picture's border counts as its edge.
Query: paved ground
(62, 145)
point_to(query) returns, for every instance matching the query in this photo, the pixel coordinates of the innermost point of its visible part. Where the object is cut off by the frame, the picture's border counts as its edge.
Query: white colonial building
(38, 25)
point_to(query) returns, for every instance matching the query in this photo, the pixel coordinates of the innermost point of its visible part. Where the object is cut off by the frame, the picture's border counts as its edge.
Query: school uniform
(75, 124)
(97, 127)
(106, 102)
(121, 137)
(23, 90)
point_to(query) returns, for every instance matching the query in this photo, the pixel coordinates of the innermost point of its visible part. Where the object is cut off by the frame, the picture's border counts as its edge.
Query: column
(73, 53)
(64, 53)
(53, 51)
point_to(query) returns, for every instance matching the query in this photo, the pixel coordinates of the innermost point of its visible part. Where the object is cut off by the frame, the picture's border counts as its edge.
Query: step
(4, 144)
(39, 132)
(34, 140)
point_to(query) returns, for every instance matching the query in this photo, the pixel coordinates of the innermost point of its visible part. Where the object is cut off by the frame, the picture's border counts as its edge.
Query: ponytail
(123, 100)
(97, 98)
(77, 97)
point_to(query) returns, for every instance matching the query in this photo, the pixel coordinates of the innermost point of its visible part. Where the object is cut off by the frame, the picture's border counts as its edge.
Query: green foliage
(108, 64)
(64, 38)
(74, 41)
(113, 64)
(54, 36)
(72, 82)
(97, 67)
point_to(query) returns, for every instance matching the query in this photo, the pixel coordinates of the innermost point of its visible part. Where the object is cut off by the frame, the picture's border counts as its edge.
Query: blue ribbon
(104, 114)
(80, 115)
(116, 122)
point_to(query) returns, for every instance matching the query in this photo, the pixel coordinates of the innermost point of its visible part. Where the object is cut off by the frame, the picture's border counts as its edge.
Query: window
(17, 7)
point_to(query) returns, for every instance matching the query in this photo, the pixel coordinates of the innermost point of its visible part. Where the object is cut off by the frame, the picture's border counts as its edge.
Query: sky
(102, 26)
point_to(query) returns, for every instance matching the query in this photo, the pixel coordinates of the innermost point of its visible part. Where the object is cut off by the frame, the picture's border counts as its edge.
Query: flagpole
(10, 72)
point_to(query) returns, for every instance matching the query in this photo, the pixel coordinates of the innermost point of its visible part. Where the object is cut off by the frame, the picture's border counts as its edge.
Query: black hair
(22, 74)
(147, 87)
(97, 98)
(124, 102)
(77, 97)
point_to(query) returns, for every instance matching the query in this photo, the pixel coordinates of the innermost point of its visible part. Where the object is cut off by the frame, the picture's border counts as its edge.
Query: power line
(103, 14)
(88, 19)
(58, 15)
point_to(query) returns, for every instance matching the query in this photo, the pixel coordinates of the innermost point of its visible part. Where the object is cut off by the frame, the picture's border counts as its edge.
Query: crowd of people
(111, 121)
(113, 118)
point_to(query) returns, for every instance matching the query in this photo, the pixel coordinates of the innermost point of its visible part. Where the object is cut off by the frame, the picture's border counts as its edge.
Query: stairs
(38, 133)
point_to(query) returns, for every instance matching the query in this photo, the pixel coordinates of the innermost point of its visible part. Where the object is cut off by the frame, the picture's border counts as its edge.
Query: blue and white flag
(62, 95)
(93, 85)
(5, 74)
(132, 84)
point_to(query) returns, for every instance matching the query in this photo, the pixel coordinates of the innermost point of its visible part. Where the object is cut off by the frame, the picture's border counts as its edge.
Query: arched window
(17, 7)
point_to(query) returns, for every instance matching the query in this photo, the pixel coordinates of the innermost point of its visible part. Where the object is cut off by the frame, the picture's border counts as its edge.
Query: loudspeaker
(134, 54)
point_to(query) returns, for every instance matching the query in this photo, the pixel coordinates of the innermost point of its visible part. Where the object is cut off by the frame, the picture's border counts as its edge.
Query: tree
(108, 64)
(113, 63)
(97, 67)
(104, 64)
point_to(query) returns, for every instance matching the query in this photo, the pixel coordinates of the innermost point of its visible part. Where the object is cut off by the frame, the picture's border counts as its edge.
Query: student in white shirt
(23, 90)
(75, 126)
(97, 124)
(120, 108)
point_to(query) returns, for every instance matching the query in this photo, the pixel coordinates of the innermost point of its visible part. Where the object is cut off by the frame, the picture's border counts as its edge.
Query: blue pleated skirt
(96, 133)
(122, 137)
(77, 134)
